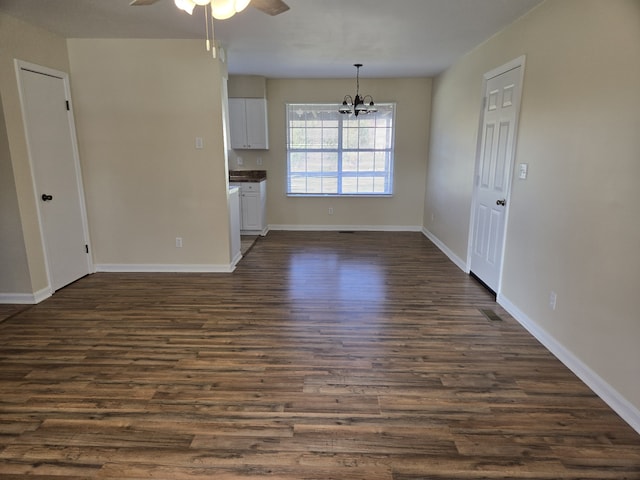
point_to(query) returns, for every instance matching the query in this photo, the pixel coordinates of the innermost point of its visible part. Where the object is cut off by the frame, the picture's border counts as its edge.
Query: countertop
(247, 175)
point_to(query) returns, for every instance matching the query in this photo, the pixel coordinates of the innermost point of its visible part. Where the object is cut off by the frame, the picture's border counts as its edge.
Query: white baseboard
(26, 298)
(351, 228)
(448, 252)
(163, 268)
(600, 387)
(262, 232)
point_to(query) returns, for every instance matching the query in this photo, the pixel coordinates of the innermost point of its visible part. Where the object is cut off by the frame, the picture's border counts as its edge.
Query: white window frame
(380, 156)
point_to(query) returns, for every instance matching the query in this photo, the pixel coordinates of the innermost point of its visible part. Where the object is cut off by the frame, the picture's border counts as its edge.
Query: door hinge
(67, 102)
(86, 248)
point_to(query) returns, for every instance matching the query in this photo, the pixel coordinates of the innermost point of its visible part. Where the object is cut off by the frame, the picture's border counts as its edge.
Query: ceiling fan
(270, 7)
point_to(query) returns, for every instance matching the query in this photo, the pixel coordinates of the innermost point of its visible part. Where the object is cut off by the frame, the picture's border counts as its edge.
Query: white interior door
(56, 172)
(493, 175)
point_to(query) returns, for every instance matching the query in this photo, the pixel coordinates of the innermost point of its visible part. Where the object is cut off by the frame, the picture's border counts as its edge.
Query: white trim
(262, 232)
(515, 63)
(163, 268)
(235, 260)
(26, 298)
(358, 228)
(600, 387)
(446, 250)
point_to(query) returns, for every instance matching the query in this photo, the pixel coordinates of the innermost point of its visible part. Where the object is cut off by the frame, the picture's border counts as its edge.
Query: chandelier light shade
(357, 105)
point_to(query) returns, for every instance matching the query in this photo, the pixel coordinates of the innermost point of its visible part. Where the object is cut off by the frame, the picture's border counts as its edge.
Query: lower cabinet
(253, 206)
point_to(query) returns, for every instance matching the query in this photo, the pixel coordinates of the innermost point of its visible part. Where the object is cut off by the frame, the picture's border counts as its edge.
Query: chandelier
(220, 10)
(358, 105)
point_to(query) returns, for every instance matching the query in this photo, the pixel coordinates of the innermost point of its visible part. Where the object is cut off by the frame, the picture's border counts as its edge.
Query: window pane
(350, 138)
(330, 162)
(349, 185)
(314, 162)
(297, 184)
(365, 184)
(330, 137)
(367, 137)
(379, 184)
(297, 137)
(365, 163)
(330, 185)
(350, 161)
(381, 164)
(297, 162)
(314, 185)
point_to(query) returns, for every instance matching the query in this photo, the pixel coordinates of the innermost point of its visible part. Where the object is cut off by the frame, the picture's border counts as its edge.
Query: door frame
(515, 63)
(23, 65)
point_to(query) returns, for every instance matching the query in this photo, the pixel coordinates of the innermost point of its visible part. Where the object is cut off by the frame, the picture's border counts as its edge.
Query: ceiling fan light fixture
(185, 5)
(240, 5)
(223, 9)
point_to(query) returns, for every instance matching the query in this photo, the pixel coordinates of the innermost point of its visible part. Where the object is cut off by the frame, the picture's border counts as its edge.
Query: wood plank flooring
(325, 355)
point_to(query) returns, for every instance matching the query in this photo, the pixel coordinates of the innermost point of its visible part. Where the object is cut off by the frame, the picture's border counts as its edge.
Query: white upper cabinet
(248, 123)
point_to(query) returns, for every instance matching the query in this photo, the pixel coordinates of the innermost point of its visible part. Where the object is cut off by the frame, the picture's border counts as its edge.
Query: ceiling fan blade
(141, 3)
(270, 7)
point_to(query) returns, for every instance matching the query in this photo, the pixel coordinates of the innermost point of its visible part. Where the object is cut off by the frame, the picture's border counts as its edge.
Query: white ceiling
(315, 38)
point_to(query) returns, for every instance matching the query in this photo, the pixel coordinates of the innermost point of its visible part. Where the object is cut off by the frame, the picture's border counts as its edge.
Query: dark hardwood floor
(325, 355)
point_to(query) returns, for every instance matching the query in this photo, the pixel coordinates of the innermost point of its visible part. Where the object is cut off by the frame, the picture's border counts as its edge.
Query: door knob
(502, 202)
(46, 197)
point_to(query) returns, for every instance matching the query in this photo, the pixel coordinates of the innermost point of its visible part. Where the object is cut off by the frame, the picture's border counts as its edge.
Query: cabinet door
(256, 119)
(251, 219)
(237, 123)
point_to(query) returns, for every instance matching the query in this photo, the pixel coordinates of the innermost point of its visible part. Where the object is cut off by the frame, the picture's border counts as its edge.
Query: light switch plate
(199, 143)
(524, 170)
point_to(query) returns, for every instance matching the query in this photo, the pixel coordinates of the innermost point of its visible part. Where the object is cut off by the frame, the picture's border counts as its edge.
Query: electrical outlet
(553, 298)
(199, 143)
(330, 210)
(178, 242)
(239, 160)
(259, 161)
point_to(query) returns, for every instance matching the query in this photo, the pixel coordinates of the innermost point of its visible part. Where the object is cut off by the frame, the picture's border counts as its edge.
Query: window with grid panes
(329, 153)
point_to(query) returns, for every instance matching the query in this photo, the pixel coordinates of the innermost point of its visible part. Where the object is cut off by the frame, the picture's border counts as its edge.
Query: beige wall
(403, 210)
(247, 86)
(139, 106)
(23, 269)
(574, 224)
(14, 269)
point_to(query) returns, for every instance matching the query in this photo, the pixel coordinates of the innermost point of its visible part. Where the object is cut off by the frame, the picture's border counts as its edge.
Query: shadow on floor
(246, 243)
